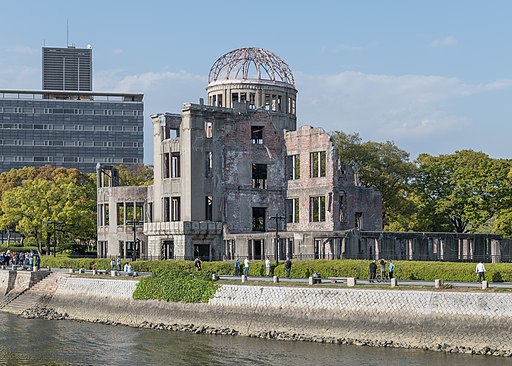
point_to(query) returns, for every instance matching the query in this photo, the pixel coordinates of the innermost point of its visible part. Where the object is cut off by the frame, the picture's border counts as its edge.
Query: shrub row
(176, 286)
(406, 270)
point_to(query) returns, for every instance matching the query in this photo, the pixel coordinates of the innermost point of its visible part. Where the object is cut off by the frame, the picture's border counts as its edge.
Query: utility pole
(277, 218)
(53, 222)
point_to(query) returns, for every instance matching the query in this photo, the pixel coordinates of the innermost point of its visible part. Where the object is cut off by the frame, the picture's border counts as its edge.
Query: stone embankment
(464, 322)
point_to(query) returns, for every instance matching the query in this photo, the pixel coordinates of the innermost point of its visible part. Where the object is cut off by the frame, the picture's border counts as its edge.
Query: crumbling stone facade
(224, 185)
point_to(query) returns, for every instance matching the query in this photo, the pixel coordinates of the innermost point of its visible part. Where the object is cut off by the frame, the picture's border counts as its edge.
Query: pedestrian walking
(246, 266)
(237, 268)
(383, 270)
(288, 267)
(119, 264)
(372, 271)
(113, 264)
(480, 271)
(267, 266)
(391, 269)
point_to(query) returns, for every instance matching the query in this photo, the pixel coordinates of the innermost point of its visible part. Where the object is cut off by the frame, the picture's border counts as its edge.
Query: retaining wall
(425, 319)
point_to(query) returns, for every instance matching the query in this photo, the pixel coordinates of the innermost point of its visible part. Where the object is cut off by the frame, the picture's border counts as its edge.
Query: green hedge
(406, 270)
(176, 286)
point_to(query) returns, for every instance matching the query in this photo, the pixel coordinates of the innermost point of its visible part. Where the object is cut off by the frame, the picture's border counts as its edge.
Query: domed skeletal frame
(237, 64)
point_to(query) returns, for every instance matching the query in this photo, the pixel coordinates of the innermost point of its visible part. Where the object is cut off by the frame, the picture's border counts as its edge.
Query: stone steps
(18, 302)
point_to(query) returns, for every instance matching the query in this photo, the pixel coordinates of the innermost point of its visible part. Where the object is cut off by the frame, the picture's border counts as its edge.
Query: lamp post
(53, 222)
(277, 218)
(134, 223)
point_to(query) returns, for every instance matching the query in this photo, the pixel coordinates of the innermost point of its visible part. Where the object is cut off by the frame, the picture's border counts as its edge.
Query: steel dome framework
(238, 64)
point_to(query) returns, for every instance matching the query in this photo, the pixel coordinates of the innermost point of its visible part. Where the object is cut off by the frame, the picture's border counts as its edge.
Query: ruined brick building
(235, 177)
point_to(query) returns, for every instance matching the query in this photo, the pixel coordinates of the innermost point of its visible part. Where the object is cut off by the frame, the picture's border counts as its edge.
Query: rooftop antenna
(67, 32)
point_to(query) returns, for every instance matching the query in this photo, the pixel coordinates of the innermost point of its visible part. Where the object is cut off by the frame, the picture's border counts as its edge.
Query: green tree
(135, 175)
(462, 192)
(386, 168)
(61, 195)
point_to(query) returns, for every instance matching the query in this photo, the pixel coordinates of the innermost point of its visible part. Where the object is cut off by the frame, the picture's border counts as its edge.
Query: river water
(63, 342)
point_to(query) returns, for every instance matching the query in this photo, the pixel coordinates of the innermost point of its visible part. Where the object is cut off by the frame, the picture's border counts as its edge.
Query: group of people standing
(384, 275)
(287, 267)
(29, 259)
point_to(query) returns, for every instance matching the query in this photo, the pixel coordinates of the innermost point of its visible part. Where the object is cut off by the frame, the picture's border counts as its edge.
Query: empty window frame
(293, 167)
(257, 135)
(209, 164)
(208, 129)
(130, 211)
(317, 164)
(252, 100)
(106, 214)
(166, 208)
(358, 224)
(259, 176)
(150, 211)
(317, 208)
(175, 165)
(139, 211)
(292, 210)
(267, 102)
(166, 166)
(342, 208)
(208, 209)
(258, 218)
(175, 209)
(120, 213)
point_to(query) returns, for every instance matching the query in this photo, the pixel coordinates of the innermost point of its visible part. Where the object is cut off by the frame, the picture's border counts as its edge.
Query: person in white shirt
(267, 266)
(480, 271)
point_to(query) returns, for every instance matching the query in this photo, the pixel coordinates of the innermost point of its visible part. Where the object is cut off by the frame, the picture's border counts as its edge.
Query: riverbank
(476, 322)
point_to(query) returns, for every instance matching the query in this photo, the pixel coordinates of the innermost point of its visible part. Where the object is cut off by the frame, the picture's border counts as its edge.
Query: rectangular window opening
(317, 164)
(317, 208)
(257, 135)
(259, 176)
(258, 218)
(209, 208)
(292, 210)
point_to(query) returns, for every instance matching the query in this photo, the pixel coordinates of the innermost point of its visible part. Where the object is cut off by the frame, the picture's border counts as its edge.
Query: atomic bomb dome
(255, 77)
(250, 63)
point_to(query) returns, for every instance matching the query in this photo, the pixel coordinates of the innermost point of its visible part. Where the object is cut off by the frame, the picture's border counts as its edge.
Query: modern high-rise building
(67, 68)
(66, 124)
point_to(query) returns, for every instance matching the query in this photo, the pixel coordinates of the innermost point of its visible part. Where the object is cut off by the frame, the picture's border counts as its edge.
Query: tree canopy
(382, 166)
(466, 191)
(31, 198)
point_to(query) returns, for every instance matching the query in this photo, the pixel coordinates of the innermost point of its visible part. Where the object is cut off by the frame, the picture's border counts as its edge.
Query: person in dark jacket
(372, 272)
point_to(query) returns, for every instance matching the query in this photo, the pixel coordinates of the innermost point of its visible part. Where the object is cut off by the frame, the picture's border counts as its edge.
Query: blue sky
(432, 76)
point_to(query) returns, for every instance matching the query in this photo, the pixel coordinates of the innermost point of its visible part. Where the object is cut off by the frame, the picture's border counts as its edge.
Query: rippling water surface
(44, 342)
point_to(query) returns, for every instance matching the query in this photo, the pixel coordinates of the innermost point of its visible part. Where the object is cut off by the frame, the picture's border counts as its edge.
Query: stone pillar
(394, 282)
(485, 285)
(437, 283)
(351, 281)
(276, 279)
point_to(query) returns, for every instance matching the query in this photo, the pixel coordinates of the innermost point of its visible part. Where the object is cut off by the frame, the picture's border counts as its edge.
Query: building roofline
(72, 92)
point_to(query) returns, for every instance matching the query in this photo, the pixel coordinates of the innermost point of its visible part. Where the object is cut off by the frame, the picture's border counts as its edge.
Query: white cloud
(443, 42)
(415, 111)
